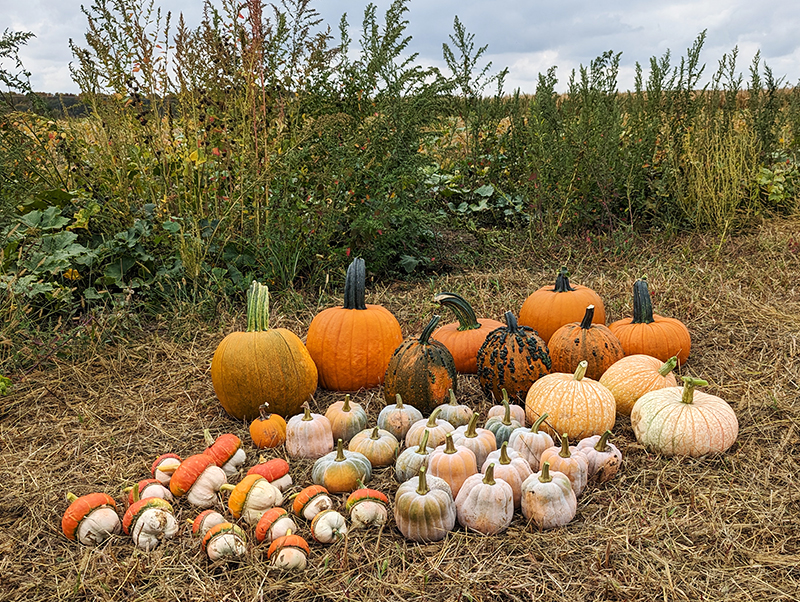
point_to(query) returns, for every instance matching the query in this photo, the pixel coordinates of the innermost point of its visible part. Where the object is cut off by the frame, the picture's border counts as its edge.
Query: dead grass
(715, 528)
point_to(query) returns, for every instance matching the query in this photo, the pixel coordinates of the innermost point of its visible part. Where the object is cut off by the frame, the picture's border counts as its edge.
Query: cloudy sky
(528, 37)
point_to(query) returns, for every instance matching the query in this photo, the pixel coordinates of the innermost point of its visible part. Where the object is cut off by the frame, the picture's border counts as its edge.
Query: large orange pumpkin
(549, 308)
(262, 365)
(649, 333)
(464, 337)
(584, 340)
(351, 345)
(421, 371)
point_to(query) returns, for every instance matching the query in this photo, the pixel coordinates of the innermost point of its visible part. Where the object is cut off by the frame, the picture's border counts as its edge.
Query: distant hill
(56, 105)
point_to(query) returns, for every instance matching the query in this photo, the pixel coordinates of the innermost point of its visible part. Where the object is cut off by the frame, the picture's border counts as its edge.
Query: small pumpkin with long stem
(548, 498)
(510, 466)
(436, 427)
(289, 552)
(226, 451)
(412, 459)
(347, 418)
(569, 460)
(262, 365)
(252, 497)
(649, 333)
(485, 503)
(604, 458)
(634, 375)
(341, 470)
(225, 541)
(530, 443)
(398, 417)
(502, 427)
(455, 413)
(380, 447)
(309, 435)
(464, 337)
(268, 430)
(424, 509)
(480, 440)
(452, 464)
(512, 358)
(680, 421)
(584, 340)
(90, 519)
(199, 479)
(422, 371)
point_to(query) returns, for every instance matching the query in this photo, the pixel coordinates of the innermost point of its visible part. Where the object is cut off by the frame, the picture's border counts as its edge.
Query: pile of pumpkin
(558, 367)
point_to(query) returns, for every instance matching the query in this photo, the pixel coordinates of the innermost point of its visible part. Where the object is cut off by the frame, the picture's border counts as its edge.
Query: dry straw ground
(712, 528)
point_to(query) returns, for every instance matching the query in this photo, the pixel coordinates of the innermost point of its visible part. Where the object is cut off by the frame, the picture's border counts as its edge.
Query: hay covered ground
(715, 528)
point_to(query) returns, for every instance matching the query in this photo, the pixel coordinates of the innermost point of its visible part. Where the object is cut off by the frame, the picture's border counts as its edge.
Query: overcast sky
(527, 37)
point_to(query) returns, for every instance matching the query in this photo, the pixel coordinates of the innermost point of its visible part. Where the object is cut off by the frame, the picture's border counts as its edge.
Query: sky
(527, 37)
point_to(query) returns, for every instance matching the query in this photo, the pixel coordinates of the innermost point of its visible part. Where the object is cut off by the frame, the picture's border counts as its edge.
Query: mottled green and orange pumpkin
(584, 340)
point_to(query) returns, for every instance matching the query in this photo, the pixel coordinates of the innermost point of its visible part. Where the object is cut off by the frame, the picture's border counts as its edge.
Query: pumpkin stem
(507, 413)
(471, 431)
(586, 323)
(423, 443)
(424, 338)
(354, 285)
(432, 419)
(422, 488)
(346, 404)
(535, 426)
(488, 476)
(375, 435)
(511, 322)
(257, 307)
(398, 401)
(449, 446)
(642, 303)
(227, 487)
(580, 371)
(71, 497)
(564, 453)
(263, 411)
(340, 451)
(136, 493)
(668, 366)
(461, 308)
(208, 438)
(504, 459)
(545, 476)
(689, 383)
(453, 401)
(562, 281)
(602, 444)
(306, 412)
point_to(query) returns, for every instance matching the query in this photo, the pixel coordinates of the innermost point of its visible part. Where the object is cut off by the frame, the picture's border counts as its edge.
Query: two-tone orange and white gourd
(347, 418)
(480, 440)
(411, 459)
(198, 478)
(604, 458)
(90, 519)
(274, 523)
(227, 452)
(149, 522)
(424, 509)
(311, 501)
(289, 553)
(379, 446)
(276, 471)
(453, 465)
(252, 497)
(367, 508)
(485, 503)
(148, 488)
(163, 467)
(634, 375)
(204, 521)
(548, 498)
(225, 541)
(531, 442)
(328, 526)
(510, 466)
(569, 460)
(398, 417)
(309, 435)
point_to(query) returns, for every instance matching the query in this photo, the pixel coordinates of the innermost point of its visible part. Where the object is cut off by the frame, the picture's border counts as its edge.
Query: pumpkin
(252, 497)
(149, 522)
(485, 503)
(604, 458)
(164, 466)
(308, 435)
(634, 375)
(548, 499)
(90, 519)
(276, 471)
(268, 430)
(226, 451)
(481, 441)
(351, 345)
(452, 464)
(512, 358)
(328, 527)
(311, 501)
(379, 446)
(148, 488)
(517, 412)
(530, 443)
(262, 365)
(412, 459)
(584, 340)
(510, 466)
(436, 427)
(204, 521)
(576, 405)
(464, 337)
(346, 418)
(571, 461)
(367, 508)
(289, 552)
(342, 470)
(649, 333)
(502, 427)
(677, 421)
(398, 417)
(224, 541)
(422, 371)
(424, 509)
(549, 308)
(455, 413)
(274, 523)
(199, 479)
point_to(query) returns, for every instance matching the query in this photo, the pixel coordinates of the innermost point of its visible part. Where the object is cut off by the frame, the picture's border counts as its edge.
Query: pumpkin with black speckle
(584, 340)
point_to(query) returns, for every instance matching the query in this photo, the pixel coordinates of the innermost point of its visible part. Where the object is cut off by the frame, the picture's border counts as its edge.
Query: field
(722, 527)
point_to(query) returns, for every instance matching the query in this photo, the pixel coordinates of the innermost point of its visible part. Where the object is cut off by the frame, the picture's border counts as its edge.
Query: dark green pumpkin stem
(340, 451)
(535, 426)
(428, 331)
(545, 476)
(354, 287)
(668, 366)
(449, 446)
(423, 443)
(488, 476)
(257, 307)
(602, 444)
(461, 308)
(507, 413)
(586, 323)
(422, 488)
(511, 322)
(562, 281)
(642, 303)
(564, 453)
(689, 383)
(504, 459)
(471, 431)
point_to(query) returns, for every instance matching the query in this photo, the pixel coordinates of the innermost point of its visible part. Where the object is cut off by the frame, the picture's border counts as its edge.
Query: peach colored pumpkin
(634, 375)
(485, 503)
(481, 441)
(530, 443)
(308, 435)
(452, 464)
(567, 459)
(510, 466)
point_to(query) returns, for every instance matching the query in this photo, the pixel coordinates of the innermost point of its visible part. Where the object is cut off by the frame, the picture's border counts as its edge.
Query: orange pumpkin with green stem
(584, 340)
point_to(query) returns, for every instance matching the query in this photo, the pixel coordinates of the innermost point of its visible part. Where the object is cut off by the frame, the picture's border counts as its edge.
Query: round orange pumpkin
(549, 308)
(634, 375)
(262, 365)
(351, 345)
(649, 333)
(268, 430)
(584, 340)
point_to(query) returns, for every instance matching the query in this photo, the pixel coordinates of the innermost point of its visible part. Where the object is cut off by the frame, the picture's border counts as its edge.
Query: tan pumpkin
(347, 418)
(341, 471)
(485, 503)
(412, 459)
(481, 441)
(584, 340)
(308, 435)
(379, 446)
(398, 417)
(634, 375)
(604, 457)
(424, 509)
(568, 459)
(530, 443)
(455, 413)
(548, 499)
(576, 405)
(436, 427)
(452, 464)
(510, 466)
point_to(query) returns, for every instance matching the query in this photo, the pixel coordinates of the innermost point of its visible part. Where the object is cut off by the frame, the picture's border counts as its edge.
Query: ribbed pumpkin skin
(549, 308)
(633, 376)
(270, 366)
(464, 344)
(584, 341)
(422, 372)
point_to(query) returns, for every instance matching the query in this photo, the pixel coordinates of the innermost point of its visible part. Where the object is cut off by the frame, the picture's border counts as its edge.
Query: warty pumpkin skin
(634, 375)
(351, 345)
(464, 337)
(584, 340)
(549, 308)
(421, 371)
(512, 358)
(649, 333)
(262, 365)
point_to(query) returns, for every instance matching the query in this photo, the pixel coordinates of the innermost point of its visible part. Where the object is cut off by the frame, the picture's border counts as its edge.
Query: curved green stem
(354, 287)
(398, 401)
(689, 383)
(340, 451)
(488, 476)
(467, 320)
(428, 331)
(504, 459)
(471, 431)
(346, 404)
(422, 488)
(535, 426)
(603, 442)
(453, 401)
(375, 434)
(564, 453)
(668, 366)
(257, 307)
(423, 443)
(507, 413)
(449, 446)
(545, 476)
(432, 418)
